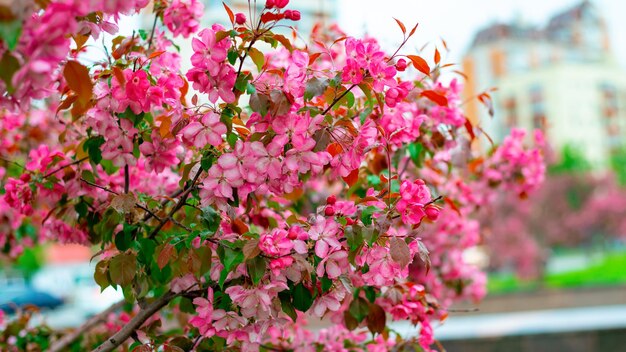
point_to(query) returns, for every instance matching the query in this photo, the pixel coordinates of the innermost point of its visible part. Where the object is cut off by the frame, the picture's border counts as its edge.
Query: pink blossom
(161, 153)
(181, 17)
(207, 130)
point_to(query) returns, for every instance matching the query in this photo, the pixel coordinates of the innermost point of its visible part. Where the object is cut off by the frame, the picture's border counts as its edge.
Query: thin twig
(181, 202)
(64, 166)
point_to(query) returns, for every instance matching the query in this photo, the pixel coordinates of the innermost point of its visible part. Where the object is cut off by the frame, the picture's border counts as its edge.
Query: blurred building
(561, 78)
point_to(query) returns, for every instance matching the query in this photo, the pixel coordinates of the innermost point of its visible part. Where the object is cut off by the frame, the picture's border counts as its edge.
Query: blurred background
(557, 261)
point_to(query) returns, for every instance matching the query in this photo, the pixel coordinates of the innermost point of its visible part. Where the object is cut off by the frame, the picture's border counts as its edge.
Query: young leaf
(402, 27)
(420, 64)
(435, 97)
(257, 57)
(230, 13)
(78, 79)
(437, 56)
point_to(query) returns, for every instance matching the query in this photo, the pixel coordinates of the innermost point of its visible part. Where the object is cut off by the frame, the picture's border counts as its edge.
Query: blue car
(14, 296)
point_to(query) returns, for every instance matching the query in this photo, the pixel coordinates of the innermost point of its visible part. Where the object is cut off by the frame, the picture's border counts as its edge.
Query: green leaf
(9, 65)
(92, 147)
(242, 82)
(349, 99)
(230, 258)
(256, 268)
(366, 214)
(369, 293)
(232, 139)
(211, 219)
(415, 151)
(359, 308)
(326, 284)
(123, 240)
(257, 57)
(232, 56)
(123, 268)
(302, 298)
(10, 32)
(287, 306)
(130, 115)
(143, 34)
(101, 276)
(315, 87)
(105, 227)
(145, 254)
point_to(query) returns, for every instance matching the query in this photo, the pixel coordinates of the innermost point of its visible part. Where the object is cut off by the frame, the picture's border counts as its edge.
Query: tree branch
(64, 166)
(63, 343)
(181, 202)
(112, 342)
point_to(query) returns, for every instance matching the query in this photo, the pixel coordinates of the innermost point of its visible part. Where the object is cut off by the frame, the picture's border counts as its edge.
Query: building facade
(561, 78)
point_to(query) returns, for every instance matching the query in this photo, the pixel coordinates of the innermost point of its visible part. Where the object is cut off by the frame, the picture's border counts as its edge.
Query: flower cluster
(255, 190)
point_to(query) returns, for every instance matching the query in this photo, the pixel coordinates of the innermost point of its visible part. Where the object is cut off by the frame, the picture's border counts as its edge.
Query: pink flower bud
(270, 3)
(295, 15)
(329, 211)
(240, 18)
(401, 65)
(332, 199)
(281, 3)
(432, 213)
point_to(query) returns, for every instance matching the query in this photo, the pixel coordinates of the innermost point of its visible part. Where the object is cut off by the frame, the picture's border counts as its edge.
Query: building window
(538, 107)
(510, 110)
(609, 113)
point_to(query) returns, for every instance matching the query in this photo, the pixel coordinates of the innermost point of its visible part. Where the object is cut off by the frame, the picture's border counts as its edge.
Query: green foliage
(618, 164)
(572, 160)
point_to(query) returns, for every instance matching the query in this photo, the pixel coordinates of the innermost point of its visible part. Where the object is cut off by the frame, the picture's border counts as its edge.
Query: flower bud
(281, 3)
(295, 15)
(329, 211)
(332, 199)
(240, 18)
(432, 212)
(401, 65)
(270, 3)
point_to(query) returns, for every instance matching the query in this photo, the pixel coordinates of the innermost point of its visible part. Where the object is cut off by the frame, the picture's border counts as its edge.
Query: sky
(456, 21)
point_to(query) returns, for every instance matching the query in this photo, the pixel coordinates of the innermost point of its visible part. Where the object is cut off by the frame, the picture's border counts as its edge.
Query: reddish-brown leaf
(376, 319)
(78, 79)
(251, 249)
(352, 177)
(284, 41)
(119, 75)
(334, 148)
(270, 16)
(165, 255)
(402, 27)
(435, 97)
(420, 64)
(399, 251)
(230, 13)
(470, 129)
(221, 35)
(155, 54)
(413, 30)
(313, 57)
(437, 56)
